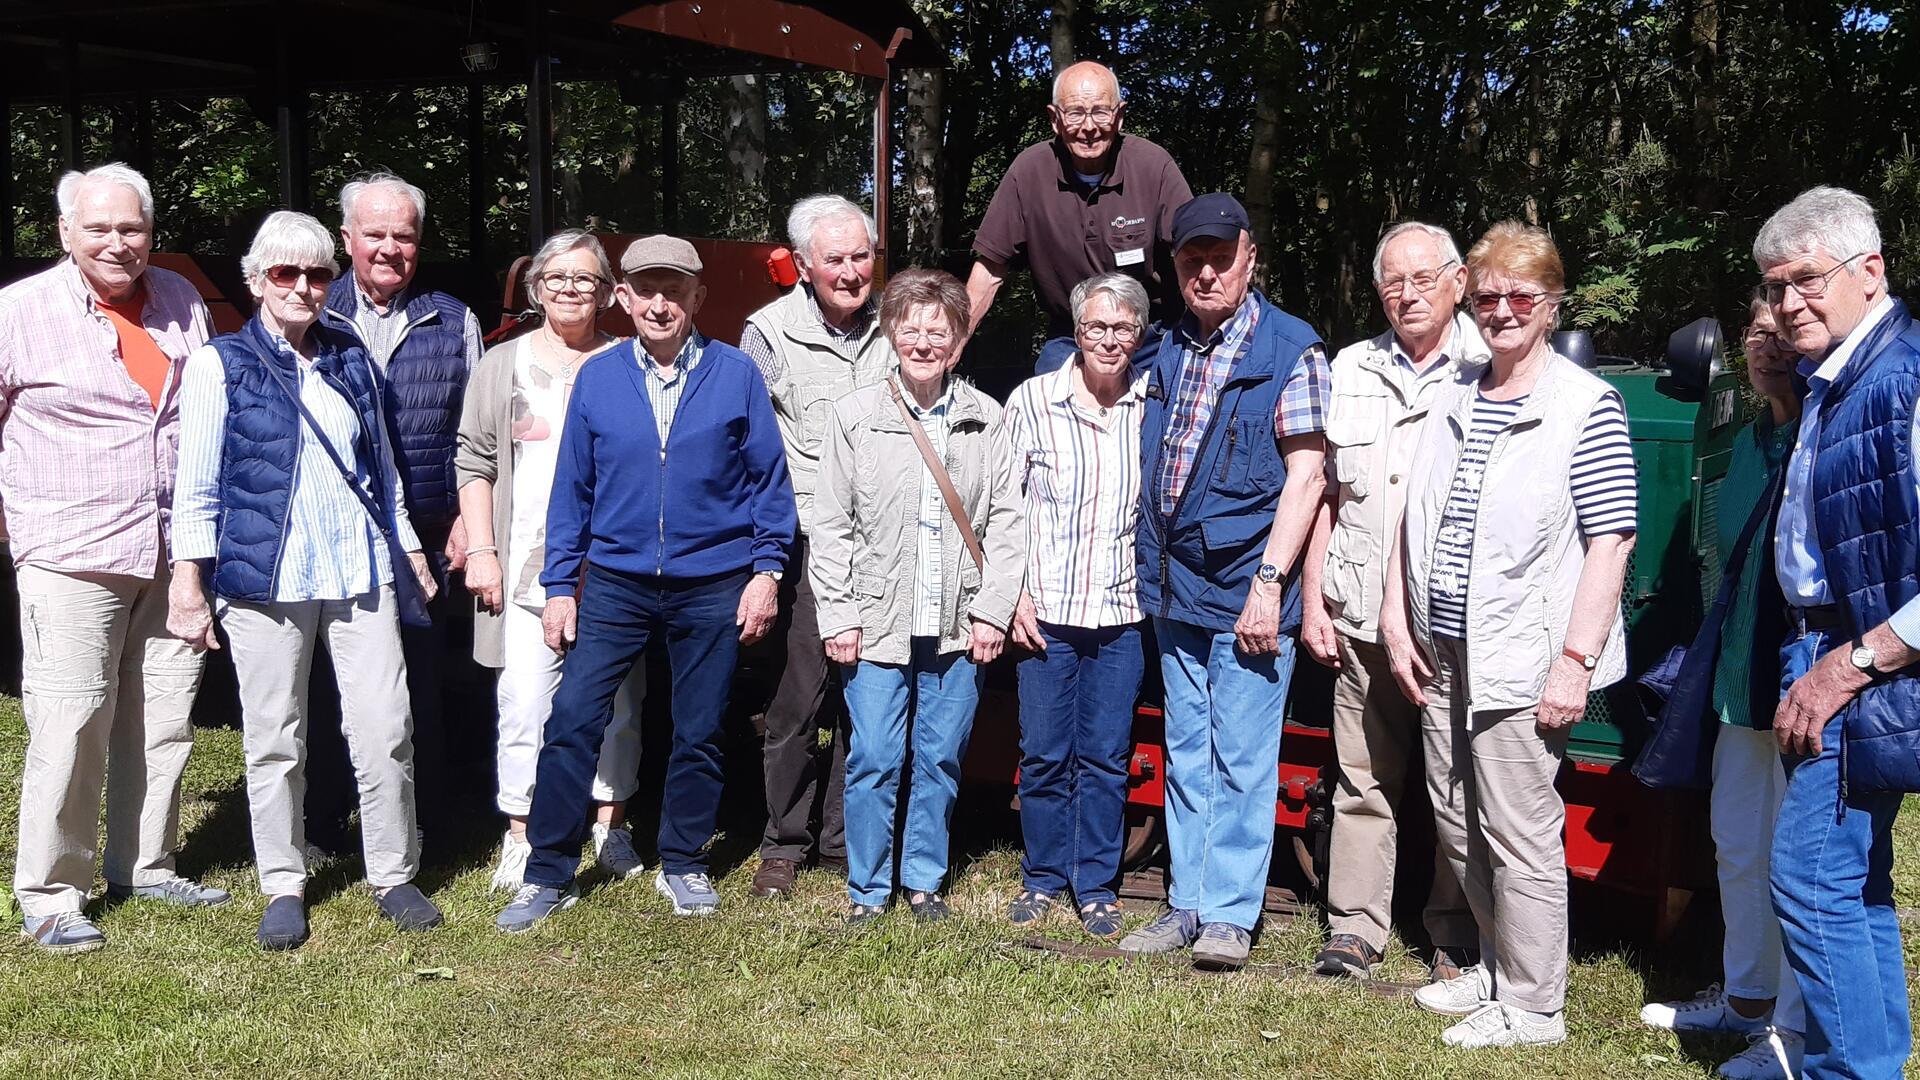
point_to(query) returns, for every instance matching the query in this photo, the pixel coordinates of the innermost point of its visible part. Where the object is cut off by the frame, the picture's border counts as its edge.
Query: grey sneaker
(613, 851)
(63, 932)
(531, 905)
(174, 890)
(1222, 947)
(1499, 1024)
(1175, 930)
(692, 894)
(1462, 996)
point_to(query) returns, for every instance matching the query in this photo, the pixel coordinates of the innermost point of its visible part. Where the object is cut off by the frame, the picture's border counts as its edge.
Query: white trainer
(512, 870)
(1773, 1054)
(1708, 1010)
(1499, 1024)
(613, 851)
(1462, 995)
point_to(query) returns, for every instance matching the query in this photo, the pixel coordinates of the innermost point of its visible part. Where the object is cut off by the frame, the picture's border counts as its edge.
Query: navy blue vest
(425, 381)
(1196, 564)
(261, 447)
(1867, 515)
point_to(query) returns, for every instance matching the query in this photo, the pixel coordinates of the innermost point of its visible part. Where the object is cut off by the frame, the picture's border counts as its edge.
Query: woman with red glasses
(287, 509)
(1500, 615)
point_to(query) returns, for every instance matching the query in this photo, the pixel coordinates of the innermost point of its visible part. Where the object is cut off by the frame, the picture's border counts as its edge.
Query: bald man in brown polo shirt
(1087, 201)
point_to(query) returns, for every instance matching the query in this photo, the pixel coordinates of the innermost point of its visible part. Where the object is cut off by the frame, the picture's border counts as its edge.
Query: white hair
(559, 244)
(67, 194)
(1441, 237)
(1827, 219)
(350, 197)
(1060, 80)
(288, 238)
(815, 210)
(1125, 291)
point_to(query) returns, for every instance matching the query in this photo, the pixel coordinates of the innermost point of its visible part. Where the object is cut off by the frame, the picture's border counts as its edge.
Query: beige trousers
(107, 693)
(272, 654)
(1500, 822)
(1375, 732)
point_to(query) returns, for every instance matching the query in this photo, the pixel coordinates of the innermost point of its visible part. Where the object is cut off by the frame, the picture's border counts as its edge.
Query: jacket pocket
(1249, 462)
(869, 586)
(814, 403)
(1352, 443)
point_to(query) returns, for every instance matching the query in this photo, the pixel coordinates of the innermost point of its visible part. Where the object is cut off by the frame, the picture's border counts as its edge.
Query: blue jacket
(1868, 518)
(262, 446)
(716, 500)
(1196, 565)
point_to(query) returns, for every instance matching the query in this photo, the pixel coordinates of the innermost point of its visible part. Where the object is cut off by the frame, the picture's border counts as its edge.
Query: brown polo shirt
(1045, 217)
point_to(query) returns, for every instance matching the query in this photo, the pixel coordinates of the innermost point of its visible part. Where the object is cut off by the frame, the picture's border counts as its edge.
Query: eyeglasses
(556, 281)
(1520, 303)
(1756, 337)
(1099, 114)
(1423, 282)
(1124, 333)
(910, 335)
(287, 277)
(1812, 286)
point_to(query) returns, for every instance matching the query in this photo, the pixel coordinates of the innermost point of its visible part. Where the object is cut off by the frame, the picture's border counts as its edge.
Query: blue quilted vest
(262, 446)
(426, 379)
(1867, 515)
(1196, 564)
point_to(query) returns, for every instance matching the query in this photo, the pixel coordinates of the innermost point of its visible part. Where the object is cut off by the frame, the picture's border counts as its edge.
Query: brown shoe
(775, 877)
(1451, 963)
(835, 863)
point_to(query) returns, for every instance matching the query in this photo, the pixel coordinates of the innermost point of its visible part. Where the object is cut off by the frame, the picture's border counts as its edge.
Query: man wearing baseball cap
(1232, 452)
(678, 530)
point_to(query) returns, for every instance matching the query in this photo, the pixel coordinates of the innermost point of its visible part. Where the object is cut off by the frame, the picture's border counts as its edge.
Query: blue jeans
(1223, 713)
(938, 693)
(1054, 354)
(1833, 890)
(619, 615)
(1076, 733)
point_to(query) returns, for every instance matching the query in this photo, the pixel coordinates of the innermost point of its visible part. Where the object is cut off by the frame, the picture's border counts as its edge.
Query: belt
(1823, 617)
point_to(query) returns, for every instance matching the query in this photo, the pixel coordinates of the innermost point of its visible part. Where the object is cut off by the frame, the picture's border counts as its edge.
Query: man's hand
(1026, 624)
(759, 605)
(483, 581)
(985, 642)
(188, 616)
(423, 574)
(1257, 631)
(457, 545)
(1411, 670)
(1814, 699)
(1317, 634)
(1565, 700)
(844, 647)
(559, 621)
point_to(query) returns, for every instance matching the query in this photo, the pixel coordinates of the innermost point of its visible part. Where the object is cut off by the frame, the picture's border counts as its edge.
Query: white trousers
(527, 683)
(1748, 784)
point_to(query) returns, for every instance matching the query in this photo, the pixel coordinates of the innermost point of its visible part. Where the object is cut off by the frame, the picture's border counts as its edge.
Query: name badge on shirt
(1130, 257)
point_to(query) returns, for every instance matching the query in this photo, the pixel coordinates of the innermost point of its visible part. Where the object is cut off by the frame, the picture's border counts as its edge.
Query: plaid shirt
(86, 459)
(665, 385)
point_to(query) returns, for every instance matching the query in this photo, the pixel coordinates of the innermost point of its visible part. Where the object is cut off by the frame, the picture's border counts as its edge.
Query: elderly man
(1085, 202)
(424, 344)
(817, 343)
(676, 530)
(1847, 551)
(1231, 480)
(1381, 388)
(91, 352)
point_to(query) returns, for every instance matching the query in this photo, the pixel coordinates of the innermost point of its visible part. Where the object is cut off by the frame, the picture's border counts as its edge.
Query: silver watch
(776, 575)
(1267, 573)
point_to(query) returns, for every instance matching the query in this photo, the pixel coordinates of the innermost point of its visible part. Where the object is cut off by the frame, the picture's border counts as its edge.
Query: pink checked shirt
(86, 461)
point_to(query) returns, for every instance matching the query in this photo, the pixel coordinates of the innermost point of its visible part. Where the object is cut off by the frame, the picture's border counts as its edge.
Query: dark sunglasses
(1521, 303)
(288, 276)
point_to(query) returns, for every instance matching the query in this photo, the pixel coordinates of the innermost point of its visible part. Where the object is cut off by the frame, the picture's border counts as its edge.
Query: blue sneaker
(1221, 947)
(692, 894)
(532, 904)
(1175, 930)
(63, 932)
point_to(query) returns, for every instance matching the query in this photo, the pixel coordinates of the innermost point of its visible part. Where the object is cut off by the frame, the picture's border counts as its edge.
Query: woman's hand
(985, 642)
(1565, 699)
(1026, 624)
(844, 647)
(423, 574)
(559, 621)
(1411, 670)
(483, 580)
(189, 618)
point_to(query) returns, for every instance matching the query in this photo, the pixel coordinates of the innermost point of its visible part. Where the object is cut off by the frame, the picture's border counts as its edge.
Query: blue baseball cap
(1217, 215)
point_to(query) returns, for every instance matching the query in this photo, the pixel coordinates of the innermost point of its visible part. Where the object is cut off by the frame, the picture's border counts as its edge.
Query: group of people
(1444, 513)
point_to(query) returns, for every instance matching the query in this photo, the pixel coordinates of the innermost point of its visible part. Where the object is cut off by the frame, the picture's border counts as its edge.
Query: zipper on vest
(1233, 442)
(660, 550)
(1206, 440)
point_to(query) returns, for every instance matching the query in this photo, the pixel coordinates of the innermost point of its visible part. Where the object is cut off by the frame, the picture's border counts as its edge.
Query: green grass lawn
(617, 987)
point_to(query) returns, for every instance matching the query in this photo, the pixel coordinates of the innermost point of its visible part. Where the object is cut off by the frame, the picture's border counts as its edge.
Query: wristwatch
(1585, 660)
(1267, 573)
(1862, 658)
(774, 574)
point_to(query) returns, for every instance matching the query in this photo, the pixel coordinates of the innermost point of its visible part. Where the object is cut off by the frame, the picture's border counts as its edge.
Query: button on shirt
(666, 384)
(933, 516)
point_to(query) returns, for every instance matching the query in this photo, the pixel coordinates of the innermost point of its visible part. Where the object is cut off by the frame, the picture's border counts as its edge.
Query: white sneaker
(1773, 1054)
(512, 871)
(1707, 1011)
(1462, 995)
(613, 851)
(1499, 1024)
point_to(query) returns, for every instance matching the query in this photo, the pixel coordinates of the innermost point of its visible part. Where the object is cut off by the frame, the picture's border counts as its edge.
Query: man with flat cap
(1231, 479)
(677, 530)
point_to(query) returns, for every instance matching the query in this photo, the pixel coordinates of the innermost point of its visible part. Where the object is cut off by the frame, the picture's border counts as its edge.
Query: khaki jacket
(867, 507)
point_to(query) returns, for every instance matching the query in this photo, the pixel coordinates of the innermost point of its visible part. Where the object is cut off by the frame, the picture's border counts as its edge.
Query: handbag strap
(1733, 562)
(939, 470)
(353, 482)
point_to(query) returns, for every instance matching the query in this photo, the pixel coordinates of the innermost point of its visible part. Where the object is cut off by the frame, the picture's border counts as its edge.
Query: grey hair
(288, 238)
(1060, 80)
(350, 197)
(811, 212)
(67, 194)
(559, 244)
(1829, 219)
(1440, 236)
(1124, 290)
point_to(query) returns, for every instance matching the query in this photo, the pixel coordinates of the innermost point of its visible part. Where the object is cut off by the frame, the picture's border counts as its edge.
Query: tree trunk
(1703, 33)
(746, 107)
(1061, 39)
(1263, 158)
(925, 234)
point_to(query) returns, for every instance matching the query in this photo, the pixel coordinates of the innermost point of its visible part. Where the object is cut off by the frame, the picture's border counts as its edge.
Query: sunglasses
(287, 277)
(1520, 303)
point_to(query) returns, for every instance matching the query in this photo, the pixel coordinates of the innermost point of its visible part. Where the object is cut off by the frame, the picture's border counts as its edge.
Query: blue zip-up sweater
(717, 500)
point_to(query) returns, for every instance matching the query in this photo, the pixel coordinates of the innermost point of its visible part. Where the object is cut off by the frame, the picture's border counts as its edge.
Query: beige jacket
(866, 510)
(485, 452)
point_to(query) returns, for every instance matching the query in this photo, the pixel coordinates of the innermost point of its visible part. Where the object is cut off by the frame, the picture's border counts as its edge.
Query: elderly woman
(1501, 613)
(1733, 670)
(288, 509)
(911, 598)
(1074, 440)
(515, 409)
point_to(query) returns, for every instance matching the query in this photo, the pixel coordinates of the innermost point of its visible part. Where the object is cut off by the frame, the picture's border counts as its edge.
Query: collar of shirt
(862, 319)
(1240, 324)
(939, 408)
(396, 304)
(1829, 369)
(1070, 176)
(1441, 359)
(1059, 385)
(83, 293)
(684, 361)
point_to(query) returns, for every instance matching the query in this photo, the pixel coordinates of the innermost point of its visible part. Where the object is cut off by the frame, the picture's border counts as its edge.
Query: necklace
(568, 359)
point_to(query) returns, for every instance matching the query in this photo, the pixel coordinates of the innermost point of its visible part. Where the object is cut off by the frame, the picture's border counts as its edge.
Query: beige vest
(1527, 546)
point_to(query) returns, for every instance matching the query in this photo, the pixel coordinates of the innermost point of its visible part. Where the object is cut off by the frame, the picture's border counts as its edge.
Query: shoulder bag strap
(939, 470)
(353, 482)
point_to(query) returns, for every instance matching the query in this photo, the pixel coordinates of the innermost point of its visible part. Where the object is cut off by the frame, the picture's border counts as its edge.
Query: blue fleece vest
(261, 447)
(1868, 518)
(425, 382)
(1196, 565)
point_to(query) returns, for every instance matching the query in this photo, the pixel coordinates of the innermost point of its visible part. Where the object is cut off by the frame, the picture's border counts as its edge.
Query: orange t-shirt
(142, 355)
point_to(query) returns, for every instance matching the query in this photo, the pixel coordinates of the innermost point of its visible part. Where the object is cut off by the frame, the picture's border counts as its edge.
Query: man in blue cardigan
(671, 517)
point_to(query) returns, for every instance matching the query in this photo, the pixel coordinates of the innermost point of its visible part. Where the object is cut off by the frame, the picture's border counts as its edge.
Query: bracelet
(484, 549)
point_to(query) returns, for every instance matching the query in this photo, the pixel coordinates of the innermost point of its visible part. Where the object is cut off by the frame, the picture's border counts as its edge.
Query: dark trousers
(619, 615)
(1076, 733)
(803, 778)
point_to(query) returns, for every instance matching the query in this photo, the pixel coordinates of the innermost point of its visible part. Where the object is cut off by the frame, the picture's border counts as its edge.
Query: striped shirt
(665, 384)
(332, 549)
(383, 331)
(1604, 488)
(1080, 471)
(933, 515)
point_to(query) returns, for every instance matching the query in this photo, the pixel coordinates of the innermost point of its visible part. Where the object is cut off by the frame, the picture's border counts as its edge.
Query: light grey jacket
(866, 510)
